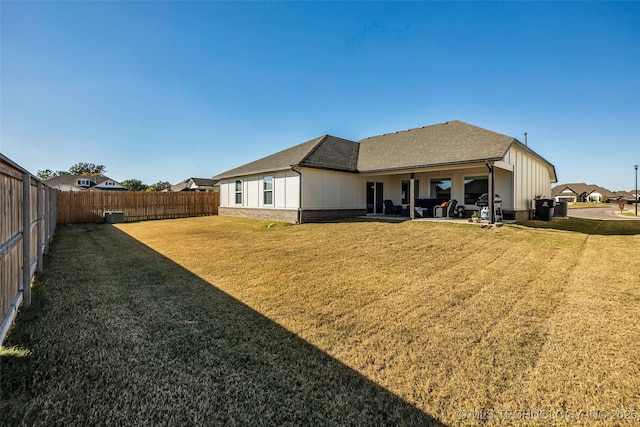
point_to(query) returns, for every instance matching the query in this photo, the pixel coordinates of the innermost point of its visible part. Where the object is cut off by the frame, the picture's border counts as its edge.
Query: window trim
(239, 191)
(266, 191)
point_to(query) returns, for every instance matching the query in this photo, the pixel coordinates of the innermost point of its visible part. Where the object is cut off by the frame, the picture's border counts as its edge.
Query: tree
(135, 185)
(83, 168)
(159, 186)
(48, 174)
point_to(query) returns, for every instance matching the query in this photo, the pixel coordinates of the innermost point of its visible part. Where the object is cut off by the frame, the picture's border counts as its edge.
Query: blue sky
(163, 91)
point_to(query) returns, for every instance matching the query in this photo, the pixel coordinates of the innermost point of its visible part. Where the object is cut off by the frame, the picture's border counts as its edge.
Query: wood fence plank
(90, 206)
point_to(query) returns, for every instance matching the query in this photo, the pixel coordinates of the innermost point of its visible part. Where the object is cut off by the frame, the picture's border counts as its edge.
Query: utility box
(561, 209)
(113, 217)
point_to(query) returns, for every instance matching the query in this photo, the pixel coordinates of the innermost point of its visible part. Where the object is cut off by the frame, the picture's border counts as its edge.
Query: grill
(484, 200)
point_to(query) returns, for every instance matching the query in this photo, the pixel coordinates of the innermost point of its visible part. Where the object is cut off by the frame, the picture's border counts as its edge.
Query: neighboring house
(84, 183)
(331, 178)
(625, 195)
(581, 192)
(196, 184)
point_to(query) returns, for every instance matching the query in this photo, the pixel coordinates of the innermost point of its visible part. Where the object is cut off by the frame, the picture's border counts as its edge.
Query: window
(83, 182)
(406, 191)
(238, 192)
(441, 188)
(474, 187)
(267, 187)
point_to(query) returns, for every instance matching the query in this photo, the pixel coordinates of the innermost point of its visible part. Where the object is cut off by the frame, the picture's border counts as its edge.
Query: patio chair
(446, 211)
(391, 209)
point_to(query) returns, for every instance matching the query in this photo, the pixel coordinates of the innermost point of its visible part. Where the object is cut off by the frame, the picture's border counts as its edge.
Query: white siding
(504, 187)
(323, 189)
(224, 192)
(253, 191)
(285, 191)
(532, 178)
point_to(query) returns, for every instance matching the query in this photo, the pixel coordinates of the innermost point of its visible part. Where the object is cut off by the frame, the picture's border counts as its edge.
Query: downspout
(491, 197)
(299, 193)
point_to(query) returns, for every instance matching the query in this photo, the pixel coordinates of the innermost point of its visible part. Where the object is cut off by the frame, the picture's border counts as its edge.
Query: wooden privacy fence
(27, 223)
(90, 206)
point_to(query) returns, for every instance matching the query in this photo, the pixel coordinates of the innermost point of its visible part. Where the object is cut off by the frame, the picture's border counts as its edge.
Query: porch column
(491, 195)
(412, 196)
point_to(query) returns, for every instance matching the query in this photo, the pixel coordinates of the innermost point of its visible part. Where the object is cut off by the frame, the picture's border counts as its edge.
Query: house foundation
(291, 215)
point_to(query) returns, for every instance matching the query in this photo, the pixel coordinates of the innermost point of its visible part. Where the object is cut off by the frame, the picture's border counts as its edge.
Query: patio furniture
(446, 211)
(391, 209)
(422, 212)
(426, 206)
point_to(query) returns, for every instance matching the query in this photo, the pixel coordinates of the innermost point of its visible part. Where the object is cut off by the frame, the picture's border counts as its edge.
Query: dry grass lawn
(449, 317)
(467, 324)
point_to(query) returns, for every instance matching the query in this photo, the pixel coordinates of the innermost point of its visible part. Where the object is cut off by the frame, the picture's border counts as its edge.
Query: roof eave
(432, 165)
(253, 172)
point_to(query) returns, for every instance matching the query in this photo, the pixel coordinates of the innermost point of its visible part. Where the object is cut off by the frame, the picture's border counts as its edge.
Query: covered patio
(441, 192)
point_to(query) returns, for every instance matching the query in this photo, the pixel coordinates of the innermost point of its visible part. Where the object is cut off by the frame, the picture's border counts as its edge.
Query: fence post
(47, 221)
(26, 239)
(40, 228)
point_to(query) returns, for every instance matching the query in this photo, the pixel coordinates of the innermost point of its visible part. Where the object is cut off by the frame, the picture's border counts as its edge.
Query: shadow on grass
(118, 335)
(588, 226)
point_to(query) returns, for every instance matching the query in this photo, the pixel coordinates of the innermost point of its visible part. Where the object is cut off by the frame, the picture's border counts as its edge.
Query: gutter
(433, 165)
(293, 168)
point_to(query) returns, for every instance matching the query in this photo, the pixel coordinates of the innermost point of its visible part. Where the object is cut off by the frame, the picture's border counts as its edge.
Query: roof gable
(324, 152)
(333, 153)
(204, 182)
(445, 143)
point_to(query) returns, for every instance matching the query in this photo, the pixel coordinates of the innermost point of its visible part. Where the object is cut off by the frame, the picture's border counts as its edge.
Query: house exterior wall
(567, 195)
(285, 191)
(110, 186)
(326, 195)
(67, 187)
(532, 178)
(504, 187)
(332, 190)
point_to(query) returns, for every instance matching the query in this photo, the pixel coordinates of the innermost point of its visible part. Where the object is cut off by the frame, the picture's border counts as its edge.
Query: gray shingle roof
(189, 182)
(453, 142)
(581, 188)
(445, 143)
(324, 152)
(204, 182)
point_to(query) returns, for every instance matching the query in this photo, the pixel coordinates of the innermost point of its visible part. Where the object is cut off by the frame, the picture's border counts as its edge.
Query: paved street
(608, 213)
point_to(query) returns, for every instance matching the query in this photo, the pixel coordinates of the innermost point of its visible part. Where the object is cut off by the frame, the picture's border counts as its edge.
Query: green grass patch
(584, 205)
(588, 226)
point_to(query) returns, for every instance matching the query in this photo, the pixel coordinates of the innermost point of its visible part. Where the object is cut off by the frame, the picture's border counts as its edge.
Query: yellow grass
(464, 323)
